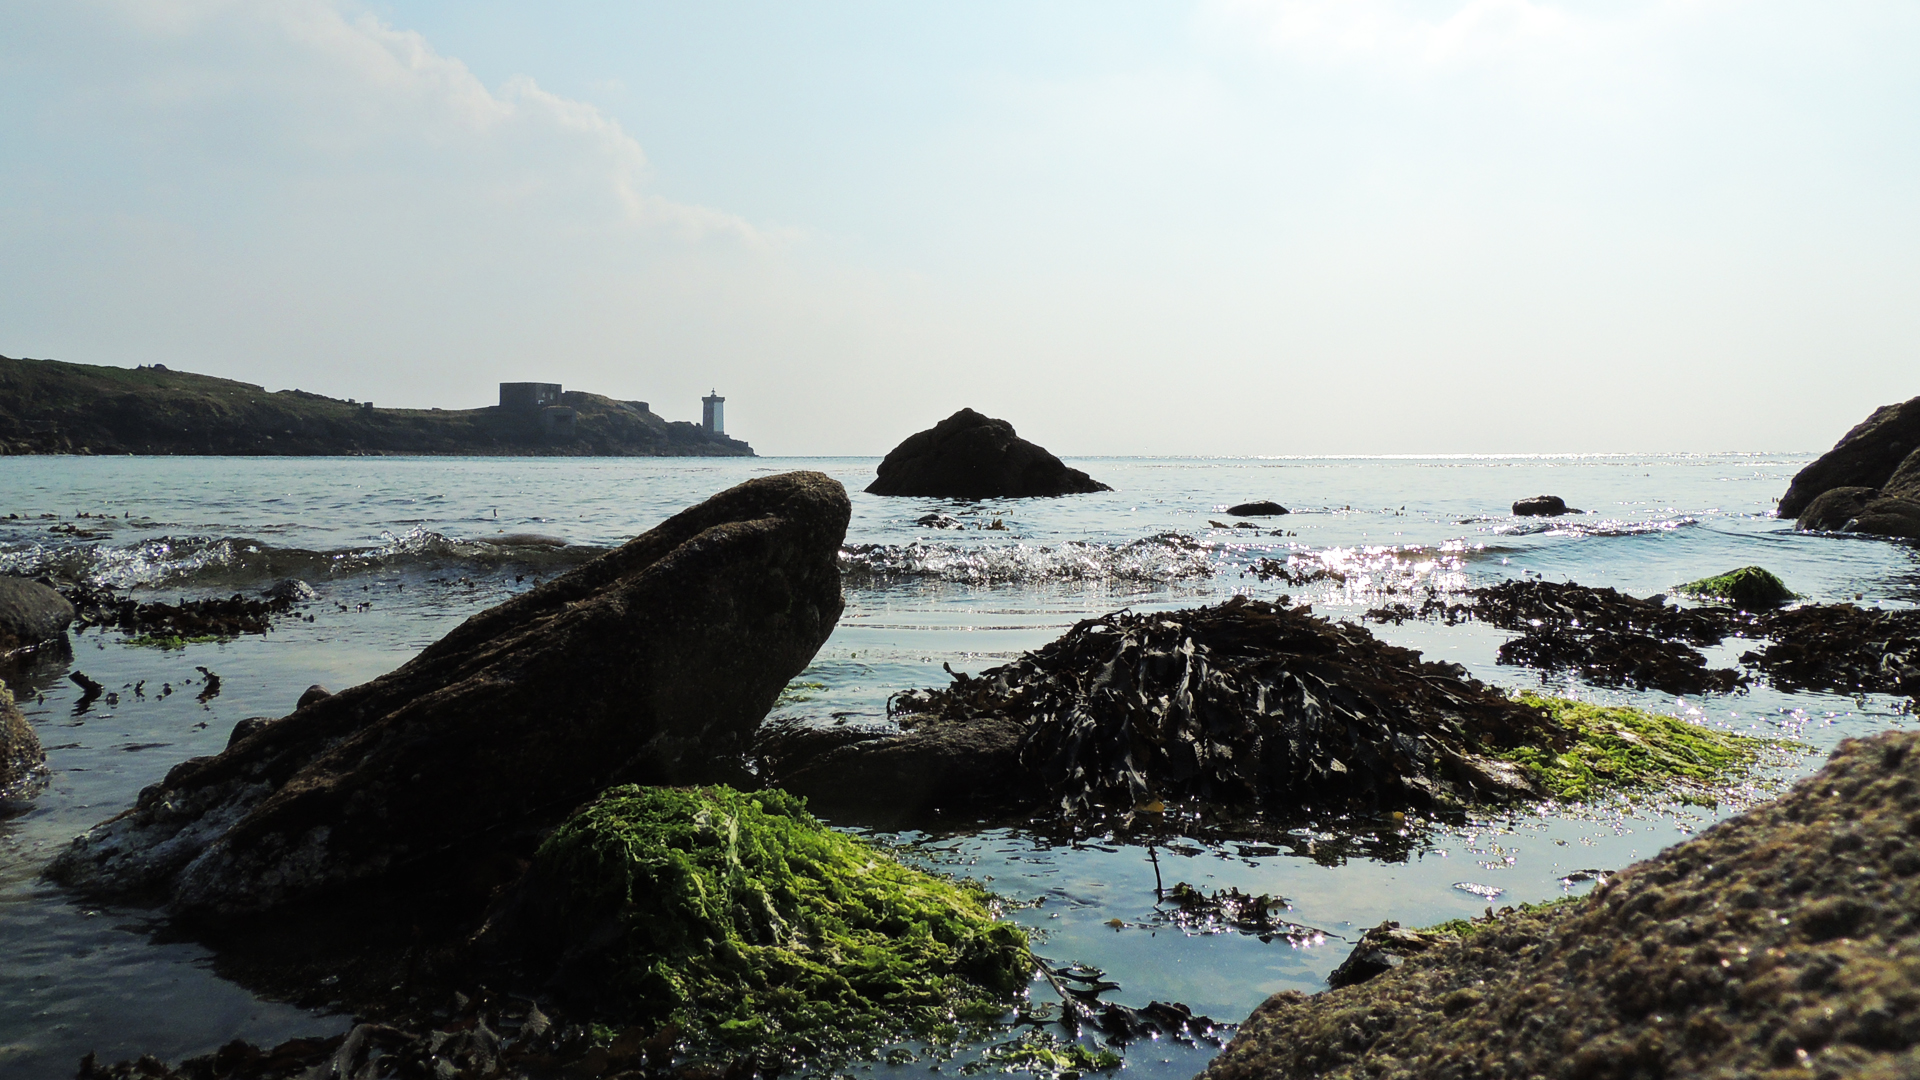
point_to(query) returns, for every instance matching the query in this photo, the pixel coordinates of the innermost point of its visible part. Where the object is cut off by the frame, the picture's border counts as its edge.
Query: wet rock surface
(1243, 704)
(1778, 943)
(972, 456)
(1380, 950)
(30, 613)
(23, 762)
(1867, 457)
(652, 663)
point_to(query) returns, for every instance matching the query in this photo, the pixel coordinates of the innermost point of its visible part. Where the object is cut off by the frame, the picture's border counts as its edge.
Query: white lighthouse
(712, 413)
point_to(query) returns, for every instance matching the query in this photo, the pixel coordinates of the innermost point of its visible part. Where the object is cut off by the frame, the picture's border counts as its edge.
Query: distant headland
(54, 407)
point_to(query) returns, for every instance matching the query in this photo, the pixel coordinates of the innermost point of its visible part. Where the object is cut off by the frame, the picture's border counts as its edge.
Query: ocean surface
(402, 549)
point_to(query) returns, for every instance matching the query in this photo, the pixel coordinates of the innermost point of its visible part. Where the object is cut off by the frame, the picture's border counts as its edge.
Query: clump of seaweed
(745, 924)
(1749, 588)
(1622, 749)
(1258, 914)
(1841, 647)
(173, 626)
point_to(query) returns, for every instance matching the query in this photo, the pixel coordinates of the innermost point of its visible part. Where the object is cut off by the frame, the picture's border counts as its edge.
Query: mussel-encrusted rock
(1247, 704)
(653, 663)
(23, 762)
(971, 456)
(1780, 942)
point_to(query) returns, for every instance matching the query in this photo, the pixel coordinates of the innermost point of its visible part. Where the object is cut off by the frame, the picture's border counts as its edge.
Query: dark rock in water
(1750, 588)
(311, 694)
(23, 764)
(971, 456)
(939, 521)
(1246, 704)
(653, 663)
(292, 591)
(1862, 510)
(1779, 942)
(1542, 506)
(30, 613)
(244, 728)
(1867, 457)
(1257, 509)
(1380, 950)
(1841, 648)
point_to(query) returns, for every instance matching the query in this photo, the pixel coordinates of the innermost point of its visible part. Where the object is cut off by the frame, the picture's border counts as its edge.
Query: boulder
(1542, 506)
(1862, 510)
(971, 456)
(23, 764)
(1750, 588)
(1264, 508)
(30, 613)
(653, 663)
(1779, 942)
(1868, 456)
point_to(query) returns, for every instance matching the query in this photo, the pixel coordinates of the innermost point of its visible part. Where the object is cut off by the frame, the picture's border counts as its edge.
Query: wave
(1164, 558)
(1610, 527)
(225, 562)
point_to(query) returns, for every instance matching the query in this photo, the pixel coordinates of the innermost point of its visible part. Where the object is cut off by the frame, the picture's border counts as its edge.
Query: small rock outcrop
(1542, 506)
(1862, 510)
(23, 764)
(1779, 942)
(971, 456)
(1869, 456)
(651, 664)
(1263, 508)
(30, 613)
(1750, 588)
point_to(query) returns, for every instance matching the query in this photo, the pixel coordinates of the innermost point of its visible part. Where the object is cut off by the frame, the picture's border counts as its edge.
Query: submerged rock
(30, 613)
(652, 663)
(1868, 457)
(971, 456)
(23, 763)
(744, 922)
(1542, 506)
(1782, 939)
(1749, 588)
(1264, 508)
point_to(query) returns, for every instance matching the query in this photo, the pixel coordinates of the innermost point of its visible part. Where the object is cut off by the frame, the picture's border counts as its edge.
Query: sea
(400, 550)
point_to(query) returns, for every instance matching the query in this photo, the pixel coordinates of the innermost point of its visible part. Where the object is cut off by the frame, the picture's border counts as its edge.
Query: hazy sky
(1232, 226)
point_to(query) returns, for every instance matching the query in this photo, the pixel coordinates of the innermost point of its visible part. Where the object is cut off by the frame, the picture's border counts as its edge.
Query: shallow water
(402, 549)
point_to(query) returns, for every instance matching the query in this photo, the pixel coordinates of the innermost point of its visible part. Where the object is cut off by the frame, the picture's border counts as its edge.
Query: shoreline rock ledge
(1868, 483)
(972, 456)
(1781, 942)
(652, 664)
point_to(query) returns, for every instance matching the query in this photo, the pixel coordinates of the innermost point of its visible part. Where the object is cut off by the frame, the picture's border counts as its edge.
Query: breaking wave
(1610, 527)
(205, 561)
(1164, 558)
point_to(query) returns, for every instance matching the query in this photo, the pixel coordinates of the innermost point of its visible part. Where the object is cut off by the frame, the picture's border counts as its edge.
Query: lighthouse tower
(712, 418)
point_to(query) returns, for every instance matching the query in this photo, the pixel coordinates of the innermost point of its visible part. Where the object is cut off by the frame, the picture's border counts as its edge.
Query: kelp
(744, 923)
(1245, 704)
(1841, 647)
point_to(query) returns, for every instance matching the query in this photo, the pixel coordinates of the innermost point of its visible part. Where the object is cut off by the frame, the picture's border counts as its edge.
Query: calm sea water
(402, 549)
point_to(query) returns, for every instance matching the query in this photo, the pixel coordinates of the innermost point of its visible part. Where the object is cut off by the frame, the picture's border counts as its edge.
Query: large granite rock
(1862, 510)
(1778, 943)
(971, 456)
(652, 664)
(30, 613)
(1870, 456)
(23, 764)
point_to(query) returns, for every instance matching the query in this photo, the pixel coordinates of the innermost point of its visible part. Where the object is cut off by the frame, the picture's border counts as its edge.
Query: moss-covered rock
(749, 925)
(1750, 588)
(1620, 749)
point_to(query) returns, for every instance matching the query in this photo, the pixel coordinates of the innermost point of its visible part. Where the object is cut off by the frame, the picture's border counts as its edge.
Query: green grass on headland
(1618, 749)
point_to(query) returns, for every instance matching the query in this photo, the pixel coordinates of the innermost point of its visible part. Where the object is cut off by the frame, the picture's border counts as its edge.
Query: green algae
(797, 692)
(1748, 588)
(751, 926)
(1617, 749)
(1046, 1055)
(1465, 928)
(172, 641)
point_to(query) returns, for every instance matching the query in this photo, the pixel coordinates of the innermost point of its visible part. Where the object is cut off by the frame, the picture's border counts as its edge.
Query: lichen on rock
(747, 924)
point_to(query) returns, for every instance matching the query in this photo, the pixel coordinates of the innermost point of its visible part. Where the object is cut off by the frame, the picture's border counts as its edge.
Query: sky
(1246, 227)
